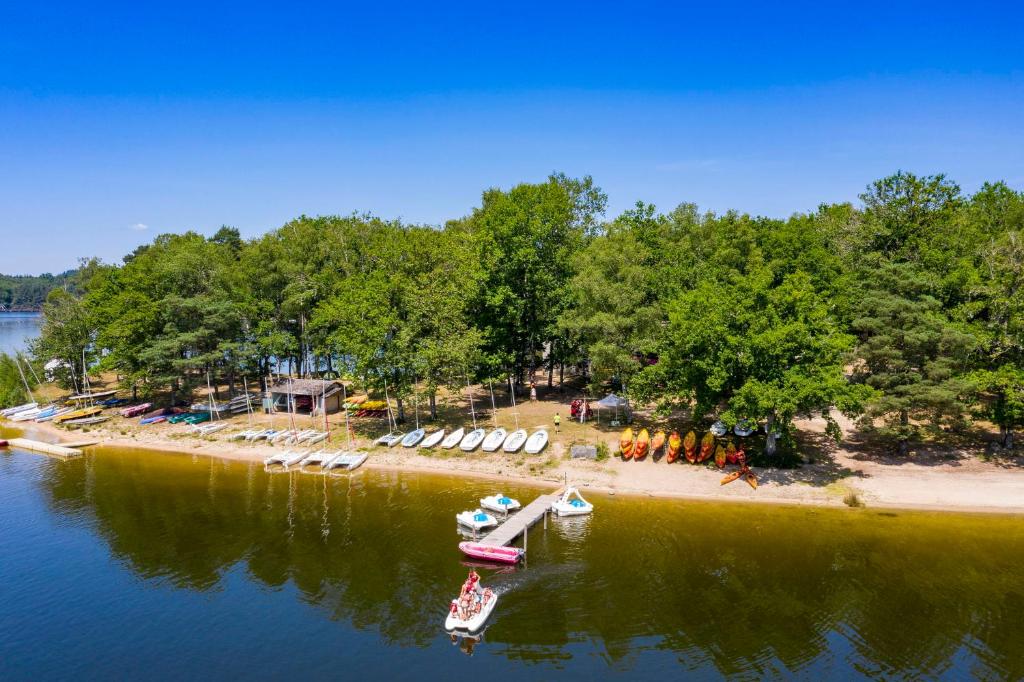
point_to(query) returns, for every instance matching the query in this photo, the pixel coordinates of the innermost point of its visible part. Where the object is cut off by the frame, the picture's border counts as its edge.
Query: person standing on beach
(558, 421)
(533, 392)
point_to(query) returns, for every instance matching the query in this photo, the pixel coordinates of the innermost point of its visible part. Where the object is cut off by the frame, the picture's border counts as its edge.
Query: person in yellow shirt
(558, 421)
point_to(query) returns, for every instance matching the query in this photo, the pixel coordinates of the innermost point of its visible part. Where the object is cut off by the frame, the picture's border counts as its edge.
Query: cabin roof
(310, 387)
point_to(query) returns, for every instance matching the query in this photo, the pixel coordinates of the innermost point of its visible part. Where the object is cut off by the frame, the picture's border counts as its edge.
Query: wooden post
(526, 531)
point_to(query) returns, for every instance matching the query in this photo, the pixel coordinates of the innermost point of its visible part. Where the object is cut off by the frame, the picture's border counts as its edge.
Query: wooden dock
(46, 448)
(520, 522)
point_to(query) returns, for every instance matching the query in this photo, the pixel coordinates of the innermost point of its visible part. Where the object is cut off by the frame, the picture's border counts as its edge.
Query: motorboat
(413, 437)
(503, 555)
(719, 428)
(453, 439)
(571, 503)
(433, 439)
(500, 503)
(537, 442)
(486, 598)
(515, 440)
(472, 440)
(494, 440)
(477, 520)
(348, 461)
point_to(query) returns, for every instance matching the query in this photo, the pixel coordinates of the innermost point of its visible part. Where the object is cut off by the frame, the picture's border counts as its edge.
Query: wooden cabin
(308, 395)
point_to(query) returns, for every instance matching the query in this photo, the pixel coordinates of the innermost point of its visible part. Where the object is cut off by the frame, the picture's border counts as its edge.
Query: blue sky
(121, 123)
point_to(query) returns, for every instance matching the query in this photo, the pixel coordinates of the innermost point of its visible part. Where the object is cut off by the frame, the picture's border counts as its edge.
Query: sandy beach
(950, 481)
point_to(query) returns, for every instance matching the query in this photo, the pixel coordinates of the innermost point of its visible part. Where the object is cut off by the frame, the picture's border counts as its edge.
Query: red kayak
(504, 555)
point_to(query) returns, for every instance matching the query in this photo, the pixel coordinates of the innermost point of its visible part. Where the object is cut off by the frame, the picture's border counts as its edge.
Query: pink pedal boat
(504, 555)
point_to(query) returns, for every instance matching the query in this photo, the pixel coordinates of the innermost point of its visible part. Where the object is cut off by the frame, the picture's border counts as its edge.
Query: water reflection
(730, 589)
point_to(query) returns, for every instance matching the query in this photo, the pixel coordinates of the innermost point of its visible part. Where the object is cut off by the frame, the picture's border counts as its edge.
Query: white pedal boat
(499, 503)
(494, 440)
(453, 622)
(515, 441)
(571, 503)
(472, 440)
(347, 460)
(453, 439)
(477, 520)
(537, 442)
(413, 437)
(433, 439)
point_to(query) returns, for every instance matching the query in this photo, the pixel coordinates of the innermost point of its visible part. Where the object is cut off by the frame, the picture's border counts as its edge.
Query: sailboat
(517, 437)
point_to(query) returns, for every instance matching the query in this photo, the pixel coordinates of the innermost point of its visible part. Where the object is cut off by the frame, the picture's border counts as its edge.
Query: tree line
(27, 293)
(900, 310)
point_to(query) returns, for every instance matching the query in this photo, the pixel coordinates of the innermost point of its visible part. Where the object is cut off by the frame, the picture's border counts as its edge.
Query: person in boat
(470, 596)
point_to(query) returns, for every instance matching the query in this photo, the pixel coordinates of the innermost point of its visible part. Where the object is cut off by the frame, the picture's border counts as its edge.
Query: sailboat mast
(472, 408)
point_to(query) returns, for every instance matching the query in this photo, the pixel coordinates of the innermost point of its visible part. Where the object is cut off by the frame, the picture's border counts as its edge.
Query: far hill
(26, 293)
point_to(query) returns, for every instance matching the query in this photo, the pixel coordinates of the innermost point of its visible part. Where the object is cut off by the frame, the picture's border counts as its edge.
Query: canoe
(707, 444)
(720, 457)
(643, 441)
(658, 442)
(751, 479)
(503, 555)
(472, 440)
(453, 439)
(626, 443)
(514, 441)
(690, 447)
(77, 414)
(536, 442)
(674, 443)
(433, 439)
(135, 410)
(729, 478)
(494, 440)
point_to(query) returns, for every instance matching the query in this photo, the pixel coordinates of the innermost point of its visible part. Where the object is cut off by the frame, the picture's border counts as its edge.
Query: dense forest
(901, 309)
(27, 293)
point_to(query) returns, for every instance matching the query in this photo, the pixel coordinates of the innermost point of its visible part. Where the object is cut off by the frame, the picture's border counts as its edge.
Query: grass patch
(603, 452)
(852, 499)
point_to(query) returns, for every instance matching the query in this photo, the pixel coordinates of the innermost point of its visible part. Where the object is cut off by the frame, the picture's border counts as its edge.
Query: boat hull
(501, 555)
(453, 623)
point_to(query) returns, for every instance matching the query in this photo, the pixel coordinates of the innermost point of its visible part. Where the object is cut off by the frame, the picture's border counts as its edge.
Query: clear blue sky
(121, 123)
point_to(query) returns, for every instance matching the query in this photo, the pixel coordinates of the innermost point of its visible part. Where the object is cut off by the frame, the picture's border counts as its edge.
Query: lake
(137, 564)
(16, 329)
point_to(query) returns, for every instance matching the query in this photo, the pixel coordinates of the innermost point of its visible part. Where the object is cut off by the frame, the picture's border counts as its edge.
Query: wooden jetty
(520, 522)
(46, 448)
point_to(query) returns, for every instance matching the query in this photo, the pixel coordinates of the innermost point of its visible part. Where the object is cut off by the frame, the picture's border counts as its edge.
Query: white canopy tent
(612, 402)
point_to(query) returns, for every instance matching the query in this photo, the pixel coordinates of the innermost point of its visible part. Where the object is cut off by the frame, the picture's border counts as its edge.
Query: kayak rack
(518, 524)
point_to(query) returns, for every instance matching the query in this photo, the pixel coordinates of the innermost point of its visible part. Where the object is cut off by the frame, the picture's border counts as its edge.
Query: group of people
(472, 597)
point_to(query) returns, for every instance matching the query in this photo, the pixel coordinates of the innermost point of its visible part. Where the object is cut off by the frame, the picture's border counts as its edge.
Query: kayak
(503, 555)
(707, 445)
(674, 443)
(729, 478)
(690, 447)
(720, 457)
(135, 410)
(730, 453)
(751, 479)
(642, 443)
(626, 443)
(77, 414)
(658, 442)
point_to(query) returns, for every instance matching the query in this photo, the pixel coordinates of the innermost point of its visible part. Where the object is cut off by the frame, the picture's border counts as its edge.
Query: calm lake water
(16, 329)
(127, 564)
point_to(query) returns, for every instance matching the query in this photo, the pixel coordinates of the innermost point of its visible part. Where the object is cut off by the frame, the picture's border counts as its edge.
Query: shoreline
(977, 489)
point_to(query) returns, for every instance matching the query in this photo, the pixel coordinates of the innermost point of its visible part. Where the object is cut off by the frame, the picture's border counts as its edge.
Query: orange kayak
(720, 457)
(707, 444)
(690, 446)
(751, 479)
(643, 441)
(729, 478)
(674, 442)
(626, 443)
(730, 453)
(658, 442)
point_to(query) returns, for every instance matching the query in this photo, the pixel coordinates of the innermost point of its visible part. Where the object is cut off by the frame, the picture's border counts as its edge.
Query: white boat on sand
(413, 437)
(347, 460)
(472, 440)
(537, 442)
(453, 439)
(433, 439)
(515, 440)
(494, 440)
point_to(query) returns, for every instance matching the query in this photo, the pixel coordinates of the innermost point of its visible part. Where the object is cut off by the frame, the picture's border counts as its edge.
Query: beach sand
(952, 481)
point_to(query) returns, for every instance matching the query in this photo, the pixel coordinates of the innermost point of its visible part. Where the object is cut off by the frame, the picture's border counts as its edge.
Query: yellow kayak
(77, 414)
